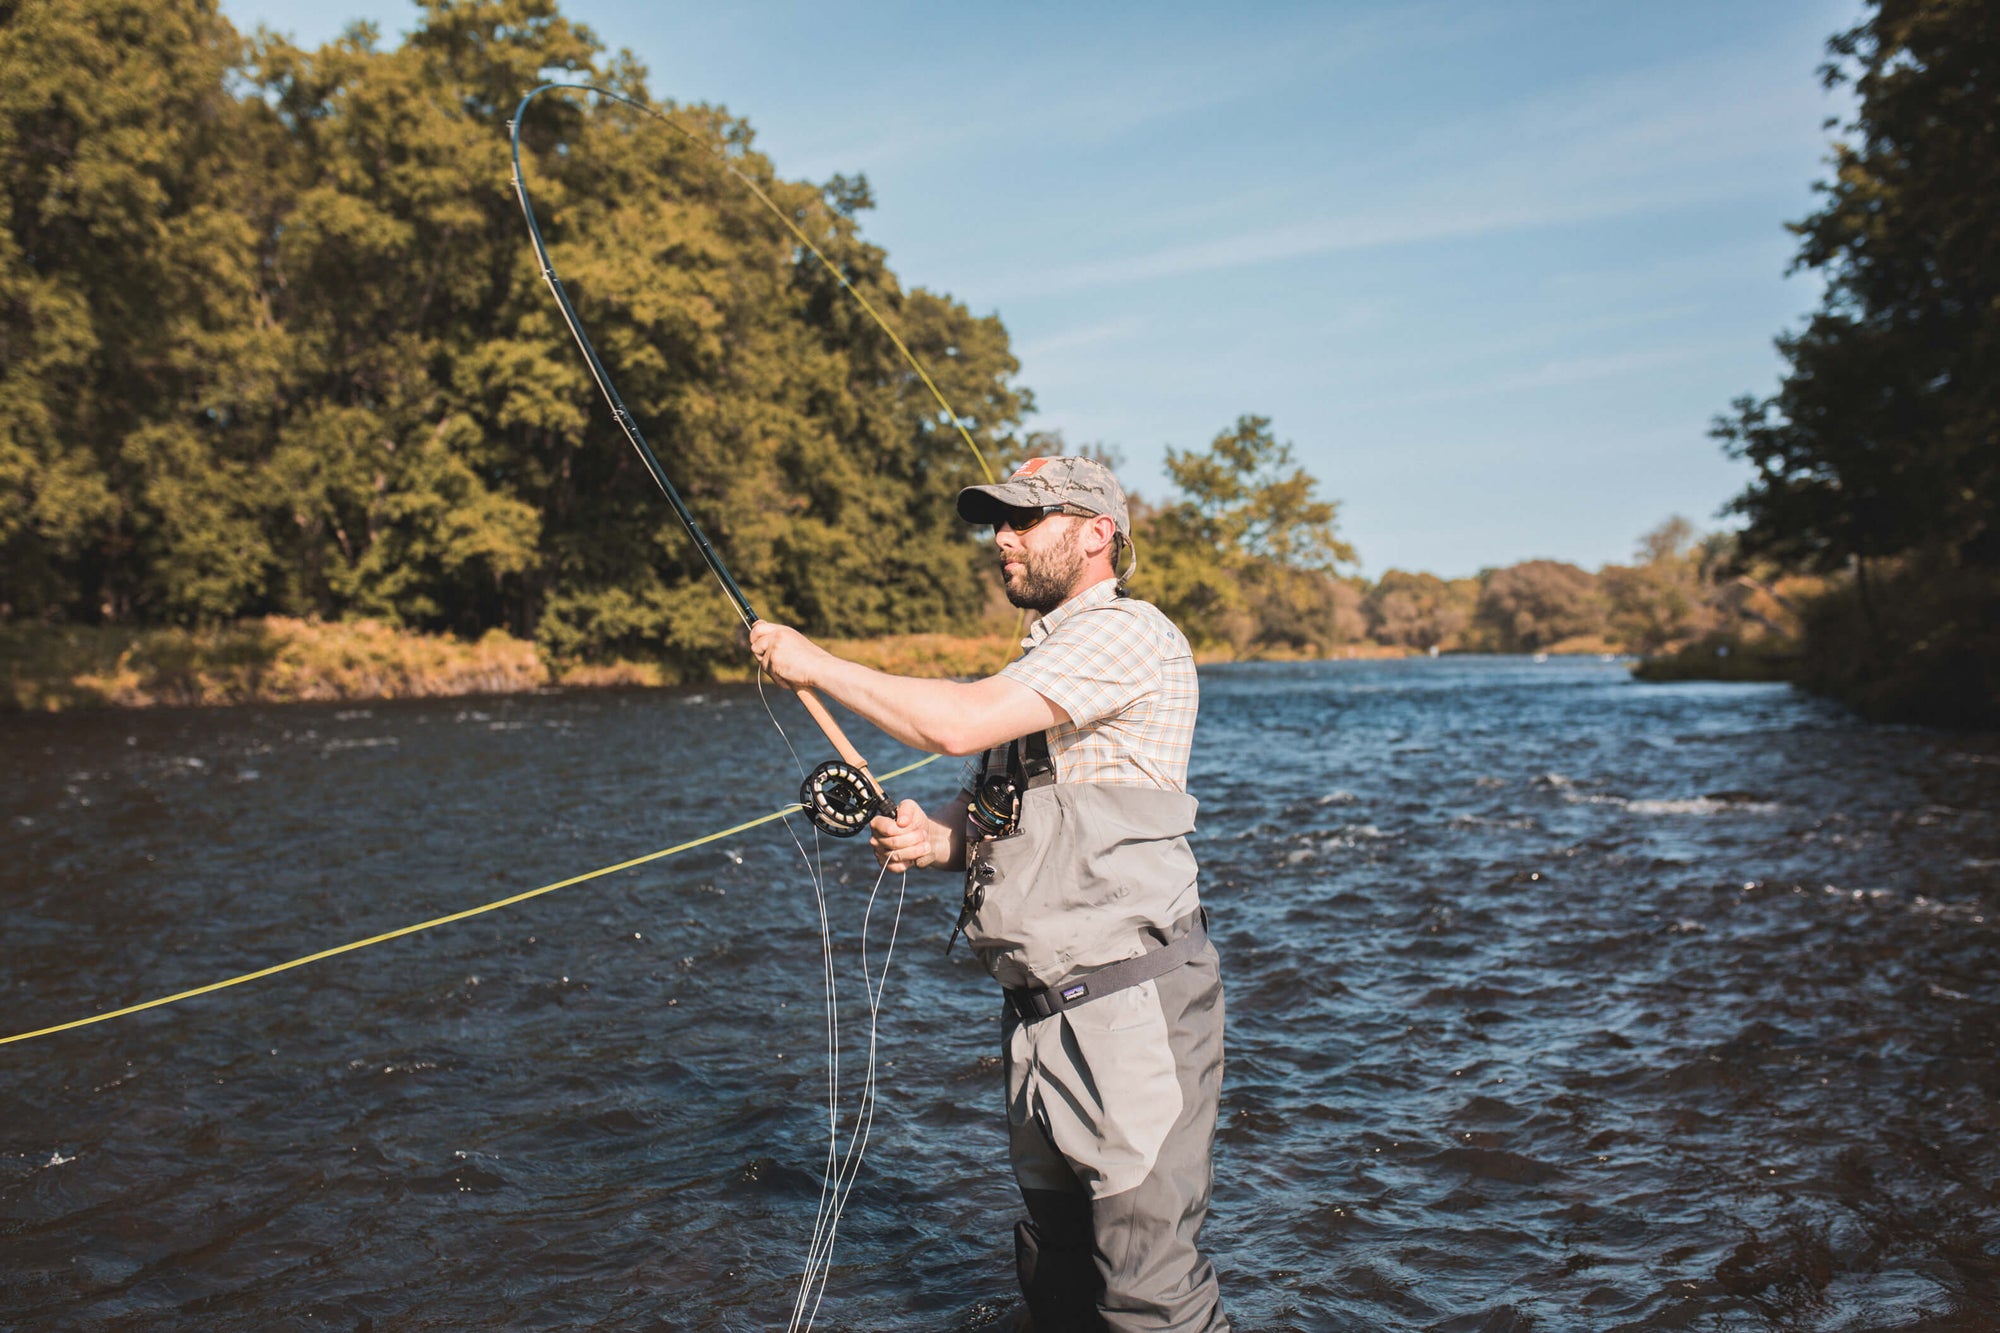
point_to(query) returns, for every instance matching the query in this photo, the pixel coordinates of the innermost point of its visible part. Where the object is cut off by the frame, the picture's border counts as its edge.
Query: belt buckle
(1021, 1003)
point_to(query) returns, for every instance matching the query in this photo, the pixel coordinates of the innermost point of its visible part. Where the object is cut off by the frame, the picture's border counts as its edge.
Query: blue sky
(1491, 267)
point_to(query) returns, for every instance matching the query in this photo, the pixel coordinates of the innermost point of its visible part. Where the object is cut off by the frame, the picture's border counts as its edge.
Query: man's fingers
(896, 858)
(896, 848)
(766, 645)
(897, 832)
(902, 840)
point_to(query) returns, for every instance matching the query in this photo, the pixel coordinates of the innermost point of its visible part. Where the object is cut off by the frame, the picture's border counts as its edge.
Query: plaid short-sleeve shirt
(1126, 678)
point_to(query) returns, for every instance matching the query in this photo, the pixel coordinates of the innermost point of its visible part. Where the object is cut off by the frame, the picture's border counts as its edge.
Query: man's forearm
(941, 716)
(919, 713)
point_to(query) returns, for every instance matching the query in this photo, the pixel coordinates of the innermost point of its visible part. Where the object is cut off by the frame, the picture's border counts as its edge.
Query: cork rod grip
(841, 745)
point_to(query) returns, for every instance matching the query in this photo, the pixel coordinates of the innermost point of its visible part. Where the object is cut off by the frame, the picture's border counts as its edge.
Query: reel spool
(995, 811)
(840, 800)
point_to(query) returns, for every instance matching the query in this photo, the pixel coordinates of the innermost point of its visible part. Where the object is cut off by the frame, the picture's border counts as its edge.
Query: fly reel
(840, 799)
(995, 809)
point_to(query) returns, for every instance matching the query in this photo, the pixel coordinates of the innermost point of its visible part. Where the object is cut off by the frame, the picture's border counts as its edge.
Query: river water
(1556, 1002)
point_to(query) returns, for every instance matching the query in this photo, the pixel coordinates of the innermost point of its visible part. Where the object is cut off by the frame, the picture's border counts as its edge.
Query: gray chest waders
(1075, 891)
(1084, 906)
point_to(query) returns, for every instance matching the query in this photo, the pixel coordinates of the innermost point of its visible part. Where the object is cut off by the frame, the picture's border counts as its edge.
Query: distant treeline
(1247, 558)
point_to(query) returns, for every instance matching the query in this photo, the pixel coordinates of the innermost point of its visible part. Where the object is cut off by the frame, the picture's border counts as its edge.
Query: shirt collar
(1096, 594)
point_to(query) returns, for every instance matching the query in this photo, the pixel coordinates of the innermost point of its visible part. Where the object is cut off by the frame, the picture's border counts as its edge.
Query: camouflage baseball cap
(1039, 482)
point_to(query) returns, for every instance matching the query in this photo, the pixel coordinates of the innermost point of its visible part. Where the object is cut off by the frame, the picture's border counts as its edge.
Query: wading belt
(1031, 1004)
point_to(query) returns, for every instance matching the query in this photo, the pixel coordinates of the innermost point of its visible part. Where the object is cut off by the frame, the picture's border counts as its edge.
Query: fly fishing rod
(841, 795)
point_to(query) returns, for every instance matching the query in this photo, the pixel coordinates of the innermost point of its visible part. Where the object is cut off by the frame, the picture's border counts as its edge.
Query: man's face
(1040, 567)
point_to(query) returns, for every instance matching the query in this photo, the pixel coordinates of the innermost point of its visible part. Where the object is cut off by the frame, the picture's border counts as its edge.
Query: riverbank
(279, 659)
(274, 660)
(1923, 647)
(1720, 659)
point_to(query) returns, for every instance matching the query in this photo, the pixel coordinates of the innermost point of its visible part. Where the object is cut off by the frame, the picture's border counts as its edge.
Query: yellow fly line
(397, 934)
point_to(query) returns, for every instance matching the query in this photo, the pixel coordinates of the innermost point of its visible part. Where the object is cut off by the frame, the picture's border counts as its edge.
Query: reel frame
(840, 798)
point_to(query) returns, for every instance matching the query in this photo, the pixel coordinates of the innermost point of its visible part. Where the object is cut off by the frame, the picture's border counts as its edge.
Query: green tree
(131, 345)
(1880, 452)
(1537, 604)
(1246, 494)
(1884, 436)
(1667, 596)
(1248, 556)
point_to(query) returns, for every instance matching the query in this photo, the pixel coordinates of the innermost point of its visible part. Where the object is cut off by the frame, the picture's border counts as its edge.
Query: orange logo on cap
(1030, 468)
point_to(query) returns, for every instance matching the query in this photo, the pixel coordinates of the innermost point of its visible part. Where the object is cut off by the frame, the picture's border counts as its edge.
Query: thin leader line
(851, 1161)
(815, 871)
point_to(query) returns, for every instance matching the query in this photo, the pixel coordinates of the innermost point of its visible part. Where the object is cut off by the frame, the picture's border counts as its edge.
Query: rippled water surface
(1556, 1002)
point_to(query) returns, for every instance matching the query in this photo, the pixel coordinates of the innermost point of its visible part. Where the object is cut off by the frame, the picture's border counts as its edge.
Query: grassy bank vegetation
(276, 659)
(50, 669)
(935, 656)
(279, 659)
(1746, 628)
(1720, 658)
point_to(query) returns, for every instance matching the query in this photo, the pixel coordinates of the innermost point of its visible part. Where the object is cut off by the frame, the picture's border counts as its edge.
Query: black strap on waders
(1030, 1004)
(1007, 773)
(1032, 754)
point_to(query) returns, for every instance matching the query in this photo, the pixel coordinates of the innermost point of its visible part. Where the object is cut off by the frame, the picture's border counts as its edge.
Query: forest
(274, 352)
(1877, 460)
(274, 345)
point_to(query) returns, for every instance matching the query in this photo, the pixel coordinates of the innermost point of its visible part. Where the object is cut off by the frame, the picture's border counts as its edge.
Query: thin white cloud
(1556, 373)
(1428, 221)
(1666, 139)
(1094, 96)
(1051, 345)
(1566, 371)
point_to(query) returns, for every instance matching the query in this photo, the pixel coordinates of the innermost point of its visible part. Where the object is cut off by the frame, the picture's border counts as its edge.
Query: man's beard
(1047, 577)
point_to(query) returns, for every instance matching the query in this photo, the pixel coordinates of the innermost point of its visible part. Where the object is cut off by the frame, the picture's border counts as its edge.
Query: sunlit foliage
(272, 342)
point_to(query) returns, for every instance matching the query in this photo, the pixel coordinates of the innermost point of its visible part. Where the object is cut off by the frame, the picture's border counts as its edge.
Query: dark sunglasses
(1022, 519)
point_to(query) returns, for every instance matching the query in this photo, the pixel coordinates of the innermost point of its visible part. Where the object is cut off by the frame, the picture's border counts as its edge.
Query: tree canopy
(1248, 554)
(1880, 451)
(1884, 436)
(272, 342)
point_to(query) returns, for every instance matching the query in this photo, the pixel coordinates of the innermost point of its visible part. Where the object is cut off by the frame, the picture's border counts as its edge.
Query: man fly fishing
(1080, 899)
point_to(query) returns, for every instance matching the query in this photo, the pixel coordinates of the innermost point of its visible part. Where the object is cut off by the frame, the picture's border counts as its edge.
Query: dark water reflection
(1556, 1002)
